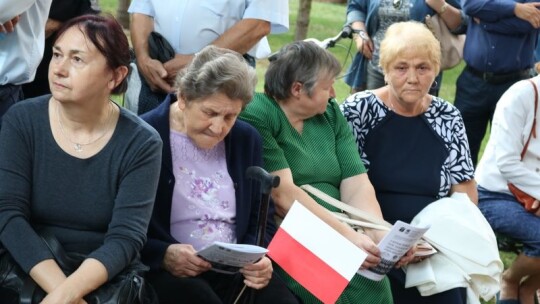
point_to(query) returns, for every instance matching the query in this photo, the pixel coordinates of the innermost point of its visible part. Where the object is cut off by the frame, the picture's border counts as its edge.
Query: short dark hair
(300, 61)
(108, 37)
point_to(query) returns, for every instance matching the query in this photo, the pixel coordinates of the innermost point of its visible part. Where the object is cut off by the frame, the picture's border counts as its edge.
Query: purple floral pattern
(204, 197)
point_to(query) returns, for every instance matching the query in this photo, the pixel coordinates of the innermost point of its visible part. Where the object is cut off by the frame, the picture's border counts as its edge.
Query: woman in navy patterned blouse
(413, 144)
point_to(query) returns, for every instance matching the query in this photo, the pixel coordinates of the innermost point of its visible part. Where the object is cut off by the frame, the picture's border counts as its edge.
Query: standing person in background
(504, 163)
(22, 39)
(191, 25)
(371, 18)
(60, 12)
(499, 50)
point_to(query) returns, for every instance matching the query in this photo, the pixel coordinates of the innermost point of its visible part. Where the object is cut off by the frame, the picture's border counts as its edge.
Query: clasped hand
(60, 295)
(161, 76)
(155, 74)
(365, 46)
(528, 12)
(182, 260)
(9, 26)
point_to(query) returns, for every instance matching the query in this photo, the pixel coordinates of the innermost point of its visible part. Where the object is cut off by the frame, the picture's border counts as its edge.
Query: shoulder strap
(366, 220)
(533, 128)
(360, 214)
(61, 257)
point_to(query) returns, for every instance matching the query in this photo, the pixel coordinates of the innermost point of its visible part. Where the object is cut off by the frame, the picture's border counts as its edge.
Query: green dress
(322, 156)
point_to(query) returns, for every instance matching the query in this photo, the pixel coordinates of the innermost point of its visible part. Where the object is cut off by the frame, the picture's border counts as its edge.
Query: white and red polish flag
(314, 254)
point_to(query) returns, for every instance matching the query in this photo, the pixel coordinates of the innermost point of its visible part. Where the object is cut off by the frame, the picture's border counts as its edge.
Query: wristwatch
(443, 8)
(361, 33)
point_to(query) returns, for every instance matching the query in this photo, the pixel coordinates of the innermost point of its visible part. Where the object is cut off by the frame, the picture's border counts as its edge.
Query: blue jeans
(508, 217)
(476, 100)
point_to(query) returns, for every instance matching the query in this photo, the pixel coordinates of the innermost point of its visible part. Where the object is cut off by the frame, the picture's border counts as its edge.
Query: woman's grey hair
(217, 70)
(300, 61)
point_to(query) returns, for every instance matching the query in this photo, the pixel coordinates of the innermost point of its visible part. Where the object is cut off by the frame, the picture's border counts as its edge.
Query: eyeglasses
(396, 4)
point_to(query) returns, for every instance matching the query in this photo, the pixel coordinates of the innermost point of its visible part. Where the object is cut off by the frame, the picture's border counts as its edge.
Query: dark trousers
(476, 100)
(40, 85)
(411, 295)
(9, 95)
(148, 99)
(213, 287)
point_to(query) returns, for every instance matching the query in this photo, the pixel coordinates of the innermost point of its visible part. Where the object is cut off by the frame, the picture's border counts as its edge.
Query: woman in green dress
(306, 140)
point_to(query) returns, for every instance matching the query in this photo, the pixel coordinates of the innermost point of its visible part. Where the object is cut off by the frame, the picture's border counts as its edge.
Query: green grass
(327, 19)
(109, 6)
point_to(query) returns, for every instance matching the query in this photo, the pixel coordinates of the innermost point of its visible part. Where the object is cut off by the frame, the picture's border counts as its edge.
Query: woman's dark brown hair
(108, 37)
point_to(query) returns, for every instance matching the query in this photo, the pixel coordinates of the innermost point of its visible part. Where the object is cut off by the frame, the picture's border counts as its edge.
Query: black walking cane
(267, 182)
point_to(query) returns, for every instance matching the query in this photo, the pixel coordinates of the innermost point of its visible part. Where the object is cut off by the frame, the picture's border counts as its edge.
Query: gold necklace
(79, 146)
(422, 110)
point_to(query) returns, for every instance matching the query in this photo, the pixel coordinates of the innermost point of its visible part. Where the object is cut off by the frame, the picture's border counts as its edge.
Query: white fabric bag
(468, 255)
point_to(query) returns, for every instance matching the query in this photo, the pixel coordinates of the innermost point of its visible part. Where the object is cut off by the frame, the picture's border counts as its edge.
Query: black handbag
(128, 287)
(159, 48)
(14, 282)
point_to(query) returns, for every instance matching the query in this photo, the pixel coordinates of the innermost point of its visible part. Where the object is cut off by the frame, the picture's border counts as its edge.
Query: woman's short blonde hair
(406, 37)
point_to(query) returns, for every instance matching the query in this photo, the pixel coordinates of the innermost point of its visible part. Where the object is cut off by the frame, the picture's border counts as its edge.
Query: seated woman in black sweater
(78, 166)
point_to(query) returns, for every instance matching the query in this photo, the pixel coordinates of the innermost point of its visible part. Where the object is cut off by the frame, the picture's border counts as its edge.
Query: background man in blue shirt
(189, 26)
(499, 51)
(22, 40)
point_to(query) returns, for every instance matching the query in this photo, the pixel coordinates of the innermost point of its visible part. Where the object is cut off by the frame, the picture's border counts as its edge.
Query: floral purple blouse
(203, 204)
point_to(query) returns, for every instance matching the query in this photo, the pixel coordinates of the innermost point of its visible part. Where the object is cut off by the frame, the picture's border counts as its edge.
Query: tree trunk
(122, 14)
(302, 22)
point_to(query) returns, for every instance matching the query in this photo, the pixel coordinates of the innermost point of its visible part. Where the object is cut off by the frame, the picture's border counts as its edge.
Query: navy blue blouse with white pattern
(364, 111)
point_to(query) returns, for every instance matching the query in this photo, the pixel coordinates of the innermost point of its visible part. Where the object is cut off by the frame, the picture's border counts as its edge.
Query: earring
(434, 84)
